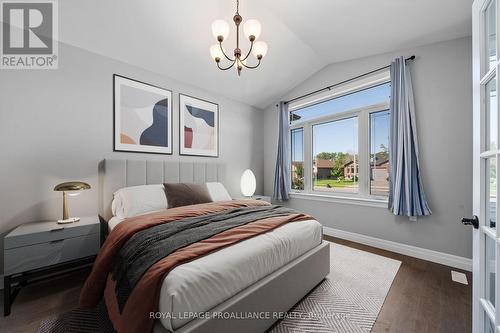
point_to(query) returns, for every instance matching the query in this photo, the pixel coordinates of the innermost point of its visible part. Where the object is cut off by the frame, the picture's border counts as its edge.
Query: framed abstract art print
(198, 127)
(142, 117)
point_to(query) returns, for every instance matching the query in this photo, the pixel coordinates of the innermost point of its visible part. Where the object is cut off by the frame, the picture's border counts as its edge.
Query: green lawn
(333, 183)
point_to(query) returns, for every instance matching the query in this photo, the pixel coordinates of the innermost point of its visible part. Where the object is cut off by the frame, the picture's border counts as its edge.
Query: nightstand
(262, 197)
(40, 249)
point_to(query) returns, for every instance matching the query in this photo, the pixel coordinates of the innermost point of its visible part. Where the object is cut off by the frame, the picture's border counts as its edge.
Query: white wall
(443, 96)
(56, 125)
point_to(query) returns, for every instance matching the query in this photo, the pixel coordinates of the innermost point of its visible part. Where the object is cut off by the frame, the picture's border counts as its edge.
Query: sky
(341, 136)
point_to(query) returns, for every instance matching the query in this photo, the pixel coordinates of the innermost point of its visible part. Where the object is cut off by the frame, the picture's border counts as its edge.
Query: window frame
(363, 197)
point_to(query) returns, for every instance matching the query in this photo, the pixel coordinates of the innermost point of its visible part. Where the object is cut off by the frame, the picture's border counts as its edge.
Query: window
(375, 95)
(379, 153)
(339, 146)
(490, 30)
(297, 143)
(491, 114)
(335, 151)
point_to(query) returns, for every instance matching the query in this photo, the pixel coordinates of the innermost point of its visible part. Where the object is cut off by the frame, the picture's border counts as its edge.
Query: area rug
(348, 300)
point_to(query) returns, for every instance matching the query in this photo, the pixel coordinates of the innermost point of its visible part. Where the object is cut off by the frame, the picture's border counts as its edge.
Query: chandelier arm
(224, 53)
(228, 67)
(249, 51)
(252, 67)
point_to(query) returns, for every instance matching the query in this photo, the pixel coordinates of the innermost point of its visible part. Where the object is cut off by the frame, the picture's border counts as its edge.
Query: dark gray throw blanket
(149, 246)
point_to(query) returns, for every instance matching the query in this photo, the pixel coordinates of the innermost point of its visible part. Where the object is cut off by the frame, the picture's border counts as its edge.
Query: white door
(486, 238)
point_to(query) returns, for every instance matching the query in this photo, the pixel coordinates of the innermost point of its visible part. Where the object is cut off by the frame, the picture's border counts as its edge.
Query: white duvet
(200, 285)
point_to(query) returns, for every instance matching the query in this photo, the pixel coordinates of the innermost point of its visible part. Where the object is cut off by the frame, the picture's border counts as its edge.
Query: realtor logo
(29, 35)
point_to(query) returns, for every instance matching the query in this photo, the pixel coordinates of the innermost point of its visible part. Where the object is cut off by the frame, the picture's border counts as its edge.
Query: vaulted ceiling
(173, 37)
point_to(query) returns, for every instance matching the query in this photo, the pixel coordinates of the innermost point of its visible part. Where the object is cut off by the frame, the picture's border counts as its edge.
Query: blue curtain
(406, 192)
(282, 172)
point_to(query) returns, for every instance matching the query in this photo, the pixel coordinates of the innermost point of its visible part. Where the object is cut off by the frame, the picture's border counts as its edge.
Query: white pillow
(218, 192)
(138, 200)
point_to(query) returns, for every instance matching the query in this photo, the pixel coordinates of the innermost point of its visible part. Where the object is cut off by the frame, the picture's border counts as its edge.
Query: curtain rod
(339, 83)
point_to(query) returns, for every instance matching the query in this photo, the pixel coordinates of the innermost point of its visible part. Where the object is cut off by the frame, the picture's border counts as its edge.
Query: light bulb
(216, 52)
(252, 28)
(241, 62)
(259, 49)
(220, 28)
(239, 65)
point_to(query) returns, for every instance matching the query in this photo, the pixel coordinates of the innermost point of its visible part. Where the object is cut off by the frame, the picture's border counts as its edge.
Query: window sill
(370, 202)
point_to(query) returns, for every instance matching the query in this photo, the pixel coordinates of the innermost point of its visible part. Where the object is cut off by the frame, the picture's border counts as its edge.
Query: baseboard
(409, 250)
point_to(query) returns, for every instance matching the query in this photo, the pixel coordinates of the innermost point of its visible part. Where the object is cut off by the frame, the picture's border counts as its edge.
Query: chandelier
(251, 29)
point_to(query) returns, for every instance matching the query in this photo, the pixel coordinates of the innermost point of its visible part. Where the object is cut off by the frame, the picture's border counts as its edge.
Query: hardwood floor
(423, 298)
(42, 300)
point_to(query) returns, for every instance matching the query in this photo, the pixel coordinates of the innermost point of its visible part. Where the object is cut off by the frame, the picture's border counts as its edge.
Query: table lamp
(248, 183)
(74, 188)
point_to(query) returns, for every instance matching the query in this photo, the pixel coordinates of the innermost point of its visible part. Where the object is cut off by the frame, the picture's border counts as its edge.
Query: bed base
(274, 294)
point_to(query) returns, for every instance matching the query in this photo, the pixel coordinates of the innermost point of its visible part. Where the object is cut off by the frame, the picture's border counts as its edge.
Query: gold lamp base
(70, 220)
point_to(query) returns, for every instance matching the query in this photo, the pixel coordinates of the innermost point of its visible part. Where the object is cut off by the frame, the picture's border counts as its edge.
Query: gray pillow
(183, 194)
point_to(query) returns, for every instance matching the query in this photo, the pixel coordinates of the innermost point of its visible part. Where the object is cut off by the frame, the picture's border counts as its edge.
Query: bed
(263, 276)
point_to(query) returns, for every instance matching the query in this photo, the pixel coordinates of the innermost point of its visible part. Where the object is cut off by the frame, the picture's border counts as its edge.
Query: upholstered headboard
(115, 174)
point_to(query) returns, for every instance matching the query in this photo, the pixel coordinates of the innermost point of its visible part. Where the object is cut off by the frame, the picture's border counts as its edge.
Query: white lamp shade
(252, 28)
(215, 51)
(259, 49)
(248, 183)
(220, 28)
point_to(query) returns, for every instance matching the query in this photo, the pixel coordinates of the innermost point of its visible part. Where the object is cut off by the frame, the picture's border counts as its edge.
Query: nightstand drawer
(26, 258)
(44, 232)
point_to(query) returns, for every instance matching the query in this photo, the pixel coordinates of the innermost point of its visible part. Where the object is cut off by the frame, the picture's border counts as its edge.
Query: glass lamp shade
(259, 49)
(252, 27)
(215, 52)
(220, 28)
(248, 183)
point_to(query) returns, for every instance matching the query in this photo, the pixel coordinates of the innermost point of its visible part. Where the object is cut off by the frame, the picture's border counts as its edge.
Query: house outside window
(340, 139)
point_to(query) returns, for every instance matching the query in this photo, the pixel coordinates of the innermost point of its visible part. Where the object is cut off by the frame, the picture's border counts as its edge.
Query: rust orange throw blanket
(144, 298)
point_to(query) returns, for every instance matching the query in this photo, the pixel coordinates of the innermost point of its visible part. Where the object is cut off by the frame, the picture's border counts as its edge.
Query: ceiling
(173, 37)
